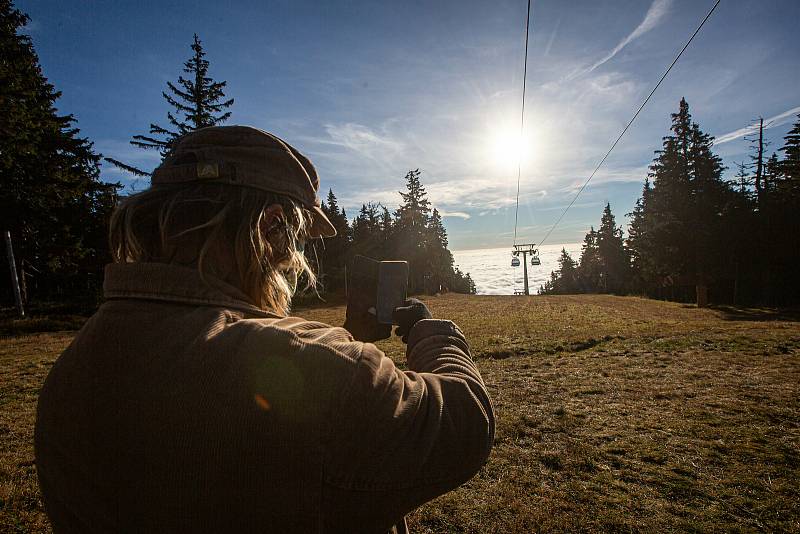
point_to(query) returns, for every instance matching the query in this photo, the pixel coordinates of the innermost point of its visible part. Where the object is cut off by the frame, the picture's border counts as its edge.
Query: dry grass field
(614, 414)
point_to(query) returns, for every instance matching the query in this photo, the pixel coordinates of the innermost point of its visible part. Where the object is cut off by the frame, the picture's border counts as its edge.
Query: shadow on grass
(735, 313)
(46, 317)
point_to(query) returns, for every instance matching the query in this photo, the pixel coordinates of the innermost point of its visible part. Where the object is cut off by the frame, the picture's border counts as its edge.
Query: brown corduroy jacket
(180, 407)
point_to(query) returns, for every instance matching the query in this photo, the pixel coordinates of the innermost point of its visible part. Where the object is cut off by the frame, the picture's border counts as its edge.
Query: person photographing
(192, 402)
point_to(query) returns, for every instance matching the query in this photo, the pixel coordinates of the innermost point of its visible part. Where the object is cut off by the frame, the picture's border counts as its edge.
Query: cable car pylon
(525, 249)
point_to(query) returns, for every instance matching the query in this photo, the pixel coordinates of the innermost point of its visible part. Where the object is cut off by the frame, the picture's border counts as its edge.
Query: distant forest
(694, 236)
(414, 233)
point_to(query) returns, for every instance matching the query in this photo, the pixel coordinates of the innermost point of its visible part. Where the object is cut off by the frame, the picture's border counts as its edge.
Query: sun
(510, 149)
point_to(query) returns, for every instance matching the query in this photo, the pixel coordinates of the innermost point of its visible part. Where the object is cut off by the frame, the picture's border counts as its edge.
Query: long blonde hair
(221, 231)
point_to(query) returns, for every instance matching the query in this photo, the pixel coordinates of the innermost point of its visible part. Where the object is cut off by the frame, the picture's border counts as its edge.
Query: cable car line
(522, 118)
(646, 100)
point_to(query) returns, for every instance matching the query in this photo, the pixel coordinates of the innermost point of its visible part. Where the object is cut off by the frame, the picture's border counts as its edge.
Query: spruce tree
(680, 231)
(411, 225)
(198, 103)
(638, 241)
(790, 166)
(670, 199)
(415, 209)
(332, 252)
(439, 258)
(612, 256)
(781, 240)
(366, 230)
(710, 200)
(437, 229)
(386, 222)
(419, 237)
(589, 266)
(52, 200)
(564, 280)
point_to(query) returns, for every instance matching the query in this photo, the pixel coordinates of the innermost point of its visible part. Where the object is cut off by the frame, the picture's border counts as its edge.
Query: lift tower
(525, 249)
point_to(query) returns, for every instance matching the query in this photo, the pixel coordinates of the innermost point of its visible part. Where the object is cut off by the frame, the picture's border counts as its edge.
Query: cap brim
(320, 225)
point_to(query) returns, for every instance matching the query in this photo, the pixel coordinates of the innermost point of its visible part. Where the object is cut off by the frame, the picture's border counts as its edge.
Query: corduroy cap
(245, 156)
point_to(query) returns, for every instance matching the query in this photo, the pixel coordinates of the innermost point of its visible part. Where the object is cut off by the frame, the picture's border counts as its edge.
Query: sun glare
(510, 149)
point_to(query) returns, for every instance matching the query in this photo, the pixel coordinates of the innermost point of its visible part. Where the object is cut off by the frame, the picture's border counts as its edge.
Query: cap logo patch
(207, 170)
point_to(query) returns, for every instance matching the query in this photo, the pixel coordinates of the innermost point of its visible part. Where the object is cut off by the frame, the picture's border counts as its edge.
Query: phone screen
(392, 285)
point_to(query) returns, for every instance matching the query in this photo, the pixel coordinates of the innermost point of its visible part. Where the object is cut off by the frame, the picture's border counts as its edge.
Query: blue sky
(369, 90)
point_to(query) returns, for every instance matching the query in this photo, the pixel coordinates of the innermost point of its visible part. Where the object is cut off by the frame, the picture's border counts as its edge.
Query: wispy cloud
(552, 38)
(459, 214)
(651, 19)
(357, 137)
(347, 139)
(778, 120)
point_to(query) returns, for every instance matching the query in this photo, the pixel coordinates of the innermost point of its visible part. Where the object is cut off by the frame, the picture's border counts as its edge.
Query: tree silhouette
(198, 103)
(51, 200)
(613, 258)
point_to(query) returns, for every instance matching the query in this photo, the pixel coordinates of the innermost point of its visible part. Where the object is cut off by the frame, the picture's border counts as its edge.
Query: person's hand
(364, 326)
(407, 316)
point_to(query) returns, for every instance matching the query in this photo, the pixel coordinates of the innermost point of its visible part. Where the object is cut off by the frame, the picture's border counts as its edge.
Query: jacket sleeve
(401, 438)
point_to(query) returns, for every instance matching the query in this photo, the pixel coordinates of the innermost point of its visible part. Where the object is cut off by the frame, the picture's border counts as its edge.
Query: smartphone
(392, 286)
(376, 287)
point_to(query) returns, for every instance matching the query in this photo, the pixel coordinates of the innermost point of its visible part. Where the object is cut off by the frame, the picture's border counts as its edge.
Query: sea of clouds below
(492, 272)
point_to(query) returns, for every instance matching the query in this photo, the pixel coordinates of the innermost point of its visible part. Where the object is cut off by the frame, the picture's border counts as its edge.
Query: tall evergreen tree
(332, 253)
(198, 103)
(367, 238)
(437, 229)
(51, 200)
(639, 243)
(710, 200)
(780, 235)
(387, 224)
(679, 235)
(589, 265)
(613, 258)
(438, 258)
(670, 202)
(411, 225)
(790, 166)
(415, 209)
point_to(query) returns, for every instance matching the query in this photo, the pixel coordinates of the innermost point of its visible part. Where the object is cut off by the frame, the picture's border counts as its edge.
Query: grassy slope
(613, 414)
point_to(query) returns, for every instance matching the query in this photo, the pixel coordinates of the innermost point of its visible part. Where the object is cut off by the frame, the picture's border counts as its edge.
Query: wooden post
(12, 267)
(702, 295)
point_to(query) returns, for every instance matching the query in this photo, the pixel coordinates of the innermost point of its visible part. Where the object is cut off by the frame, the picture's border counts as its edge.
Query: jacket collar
(172, 283)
